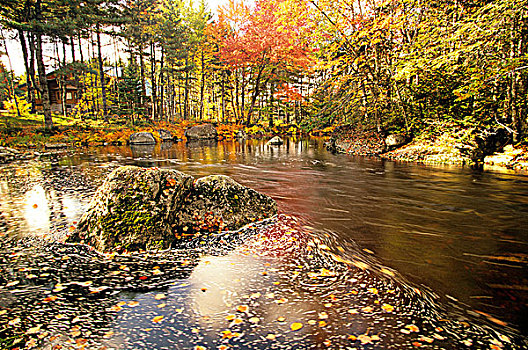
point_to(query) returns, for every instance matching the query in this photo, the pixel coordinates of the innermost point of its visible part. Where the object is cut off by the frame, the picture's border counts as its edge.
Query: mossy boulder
(148, 208)
(142, 138)
(201, 132)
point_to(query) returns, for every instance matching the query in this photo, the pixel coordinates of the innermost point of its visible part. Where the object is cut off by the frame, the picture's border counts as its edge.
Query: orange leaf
(242, 308)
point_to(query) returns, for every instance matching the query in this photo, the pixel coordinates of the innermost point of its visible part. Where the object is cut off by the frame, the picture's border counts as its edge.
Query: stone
(274, 141)
(165, 135)
(201, 132)
(395, 140)
(150, 208)
(142, 138)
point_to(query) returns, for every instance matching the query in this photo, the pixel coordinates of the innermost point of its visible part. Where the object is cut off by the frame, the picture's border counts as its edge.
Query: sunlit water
(366, 254)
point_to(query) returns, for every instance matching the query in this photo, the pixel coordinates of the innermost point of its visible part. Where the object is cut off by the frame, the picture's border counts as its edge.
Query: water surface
(357, 234)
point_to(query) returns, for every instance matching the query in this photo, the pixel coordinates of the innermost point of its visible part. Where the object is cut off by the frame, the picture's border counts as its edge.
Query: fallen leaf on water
(133, 303)
(255, 295)
(367, 309)
(281, 319)
(161, 305)
(84, 284)
(296, 326)
(254, 320)
(35, 206)
(157, 319)
(242, 308)
(412, 328)
(281, 300)
(108, 334)
(364, 339)
(360, 265)
(160, 296)
(271, 336)
(323, 315)
(11, 284)
(387, 272)
(33, 330)
(387, 307)
(322, 323)
(426, 339)
(51, 298)
(116, 308)
(373, 290)
(230, 317)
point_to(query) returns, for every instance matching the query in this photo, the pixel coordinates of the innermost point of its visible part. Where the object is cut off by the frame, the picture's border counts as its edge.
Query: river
(457, 237)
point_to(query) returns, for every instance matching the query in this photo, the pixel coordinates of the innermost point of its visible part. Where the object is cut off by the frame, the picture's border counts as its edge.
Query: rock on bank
(148, 208)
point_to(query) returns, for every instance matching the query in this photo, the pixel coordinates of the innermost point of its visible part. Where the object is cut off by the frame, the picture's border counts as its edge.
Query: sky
(15, 52)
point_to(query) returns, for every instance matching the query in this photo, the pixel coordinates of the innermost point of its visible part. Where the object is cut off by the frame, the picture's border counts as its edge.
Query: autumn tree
(261, 41)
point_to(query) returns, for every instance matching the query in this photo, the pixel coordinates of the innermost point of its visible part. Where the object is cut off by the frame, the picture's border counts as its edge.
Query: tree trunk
(43, 83)
(202, 86)
(62, 83)
(30, 75)
(161, 108)
(186, 90)
(142, 76)
(222, 91)
(153, 80)
(101, 74)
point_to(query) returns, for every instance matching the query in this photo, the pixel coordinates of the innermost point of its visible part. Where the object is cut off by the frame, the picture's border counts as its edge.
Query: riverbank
(453, 146)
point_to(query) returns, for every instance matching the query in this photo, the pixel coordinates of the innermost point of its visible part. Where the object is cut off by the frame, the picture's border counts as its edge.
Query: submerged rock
(165, 135)
(138, 208)
(142, 138)
(201, 132)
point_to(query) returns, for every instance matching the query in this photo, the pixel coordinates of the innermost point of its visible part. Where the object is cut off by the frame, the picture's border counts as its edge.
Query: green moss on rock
(139, 208)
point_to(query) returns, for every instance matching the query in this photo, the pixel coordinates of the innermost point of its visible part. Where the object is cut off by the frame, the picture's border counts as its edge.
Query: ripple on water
(274, 284)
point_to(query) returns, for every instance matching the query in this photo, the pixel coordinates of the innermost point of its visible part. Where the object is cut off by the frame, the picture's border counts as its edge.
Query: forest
(407, 66)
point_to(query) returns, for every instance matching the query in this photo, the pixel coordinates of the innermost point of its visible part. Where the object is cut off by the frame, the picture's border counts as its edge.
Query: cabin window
(68, 95)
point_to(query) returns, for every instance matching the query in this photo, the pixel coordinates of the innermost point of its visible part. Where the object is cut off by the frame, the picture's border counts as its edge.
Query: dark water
(368, 254)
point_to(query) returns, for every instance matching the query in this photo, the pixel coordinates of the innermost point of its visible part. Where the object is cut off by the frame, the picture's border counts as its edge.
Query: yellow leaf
(160, 296)
(296, 326)
(387, 307)
(157, 319)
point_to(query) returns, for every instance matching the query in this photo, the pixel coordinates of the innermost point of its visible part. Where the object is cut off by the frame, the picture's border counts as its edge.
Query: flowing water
(365, 254)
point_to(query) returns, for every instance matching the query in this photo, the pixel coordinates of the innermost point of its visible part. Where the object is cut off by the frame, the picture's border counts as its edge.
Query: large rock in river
(142, 138)
(140, 208)
(201, 132)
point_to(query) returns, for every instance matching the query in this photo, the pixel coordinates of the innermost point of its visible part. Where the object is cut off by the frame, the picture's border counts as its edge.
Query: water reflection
(459, 232)
(36, 210)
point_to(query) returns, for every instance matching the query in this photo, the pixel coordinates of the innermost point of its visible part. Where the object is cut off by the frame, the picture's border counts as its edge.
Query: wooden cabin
(55, 93)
